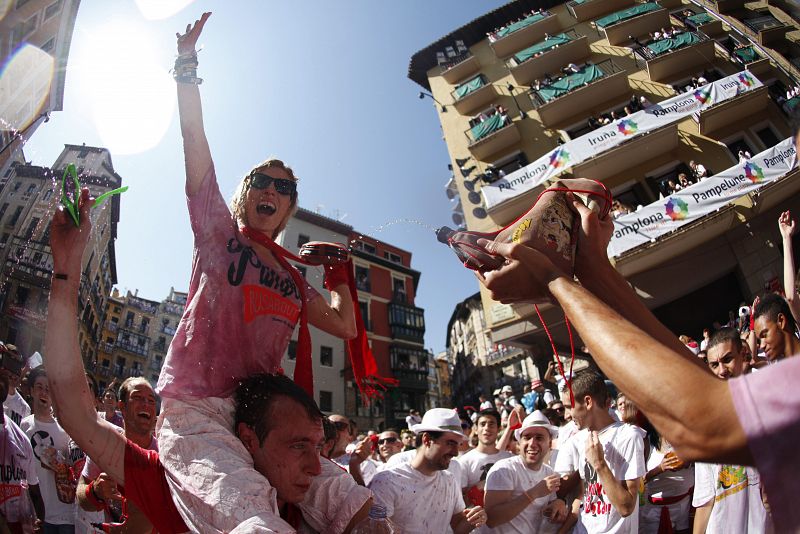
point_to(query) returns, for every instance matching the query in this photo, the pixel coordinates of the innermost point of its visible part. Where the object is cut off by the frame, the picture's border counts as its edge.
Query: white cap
(440, 420)
(537, 418)
(507, 389)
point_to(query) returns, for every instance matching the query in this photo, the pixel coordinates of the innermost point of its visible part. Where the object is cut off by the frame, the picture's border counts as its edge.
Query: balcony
(630, 154)
(32, 259)
(132, 347)
(459, 67)
(638, 20)
(667, 58)
(763, 25)
(489, 137)
(584, 10)
(504, 355)
(107, 347)
(733, 110)
(750, 59)
(407, 322)
(576, 94)
(411, 379)
(524, 33)
(548, 56)
(473, 94)
(169, 330)
(723, 6)
(703, 22)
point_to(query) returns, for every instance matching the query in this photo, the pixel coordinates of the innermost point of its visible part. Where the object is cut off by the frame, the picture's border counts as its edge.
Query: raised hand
(68, 241)
(593, 237)
(105, 488)
(546, 486)
(786, 224)
(594, 451)
(187, 42)
(524, 278)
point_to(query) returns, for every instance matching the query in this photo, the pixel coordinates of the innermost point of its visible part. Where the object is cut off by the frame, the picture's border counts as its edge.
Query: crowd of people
(493, 35)
(237, 447)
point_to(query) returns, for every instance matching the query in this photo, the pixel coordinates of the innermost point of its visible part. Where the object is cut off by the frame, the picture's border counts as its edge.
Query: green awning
(524, 23)
(580, 1)
(700, 19)
(792, 104)
(543, 46)
(482, 129)
(747, 54)
(626, 14)
(662, 46)
(466, 88)
(569, 83)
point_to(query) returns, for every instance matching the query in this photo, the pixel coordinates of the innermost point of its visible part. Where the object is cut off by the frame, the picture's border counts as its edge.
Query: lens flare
(25, 81)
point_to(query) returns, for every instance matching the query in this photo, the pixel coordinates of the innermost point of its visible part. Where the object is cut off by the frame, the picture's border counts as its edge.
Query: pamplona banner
(702, 198)
(593, 143)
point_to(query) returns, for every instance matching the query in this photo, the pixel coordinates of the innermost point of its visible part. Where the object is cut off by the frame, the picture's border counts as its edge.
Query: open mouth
(266, 208)
(144, 415)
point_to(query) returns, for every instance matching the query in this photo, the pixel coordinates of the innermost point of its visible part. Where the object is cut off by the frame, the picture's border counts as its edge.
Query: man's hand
(546, 486)
(67, 242)
(475, 516)
(362, 451)
(516, 417)
(594, 451)
(188, 41)
(524, 277)
(671, 462)
(105, 488)
(593, 238)
(786, 225)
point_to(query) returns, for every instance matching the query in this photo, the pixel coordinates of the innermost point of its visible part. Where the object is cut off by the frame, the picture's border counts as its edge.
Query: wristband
(92, 497)
(60, 276)
(753, 320)
(336, 275)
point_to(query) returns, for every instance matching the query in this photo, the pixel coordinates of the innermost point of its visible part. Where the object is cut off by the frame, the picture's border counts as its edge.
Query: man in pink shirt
(685, 402)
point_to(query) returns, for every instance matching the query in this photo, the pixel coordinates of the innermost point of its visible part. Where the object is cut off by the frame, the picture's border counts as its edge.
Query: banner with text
(611, 135)
(702, 198)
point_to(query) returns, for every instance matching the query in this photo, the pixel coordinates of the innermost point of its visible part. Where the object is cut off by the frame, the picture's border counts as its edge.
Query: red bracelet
(92, 497)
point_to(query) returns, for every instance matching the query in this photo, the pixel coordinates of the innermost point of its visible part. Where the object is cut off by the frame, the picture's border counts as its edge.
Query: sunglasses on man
(387, 440)
(341, 426)
(283, 186)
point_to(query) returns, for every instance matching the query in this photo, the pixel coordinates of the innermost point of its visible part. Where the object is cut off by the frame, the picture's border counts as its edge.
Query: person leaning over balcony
(760, 412)
(236, 263)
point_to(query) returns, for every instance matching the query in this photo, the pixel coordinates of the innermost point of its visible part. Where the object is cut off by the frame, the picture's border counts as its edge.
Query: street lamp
(423, 94)
(511, 88)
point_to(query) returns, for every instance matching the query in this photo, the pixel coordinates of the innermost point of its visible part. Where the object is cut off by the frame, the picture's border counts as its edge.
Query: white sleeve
(703, 484)
(549, 397)
(567, 459)
(464, 468)
(500, 478)
(458, 497)
(633, 452)
(31, 473)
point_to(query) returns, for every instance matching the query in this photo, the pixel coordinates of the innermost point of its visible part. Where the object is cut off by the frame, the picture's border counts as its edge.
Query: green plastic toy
(71, 204)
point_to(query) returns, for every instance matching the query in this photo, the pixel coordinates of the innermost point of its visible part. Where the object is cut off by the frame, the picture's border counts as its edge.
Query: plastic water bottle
(26, 518)
(376, 522)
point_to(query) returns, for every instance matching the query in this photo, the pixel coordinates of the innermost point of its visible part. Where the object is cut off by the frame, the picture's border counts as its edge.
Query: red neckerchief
(365, 370)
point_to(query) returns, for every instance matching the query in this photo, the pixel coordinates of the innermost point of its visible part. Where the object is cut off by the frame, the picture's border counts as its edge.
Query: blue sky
(322, 85)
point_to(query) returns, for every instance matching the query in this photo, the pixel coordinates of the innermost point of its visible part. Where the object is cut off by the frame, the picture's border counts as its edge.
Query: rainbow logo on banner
(677, 209)
(559, 158)
(703, 95)
(746, 80)
(627, 127)
(753, 173)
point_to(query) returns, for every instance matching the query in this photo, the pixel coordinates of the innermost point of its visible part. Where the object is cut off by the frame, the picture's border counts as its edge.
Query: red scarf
(365, 370)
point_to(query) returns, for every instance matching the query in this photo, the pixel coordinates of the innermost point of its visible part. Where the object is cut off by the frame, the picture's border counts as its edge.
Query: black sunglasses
(340, 426)
(284, 186)
(387, 440)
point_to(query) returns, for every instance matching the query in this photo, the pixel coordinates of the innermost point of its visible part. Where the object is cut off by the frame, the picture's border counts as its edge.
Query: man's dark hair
(589, 383)
(254, 398)
(329, 429)
(724, 334)
(124, 391)
(431, 434)
(772, 304)
(489, 413)
(390, 429)
(34, 374)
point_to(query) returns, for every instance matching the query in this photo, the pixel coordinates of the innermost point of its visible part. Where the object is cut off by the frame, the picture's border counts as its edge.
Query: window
(362, 278)
(394, 258)
(767, 136)
(83, 153)
(144, 325)
(325, 401)
(47, 194)
(326, 356)
(21, 3)
(32, 227)
(22, 295)
(291, 352)
(366, 247)
(302, 240)
(106, 363)
(15, 217)
(129, 320)
(109, 339)
(4, 239)
(52, 10)
(364, 309)
(736, 146)
(3, 210)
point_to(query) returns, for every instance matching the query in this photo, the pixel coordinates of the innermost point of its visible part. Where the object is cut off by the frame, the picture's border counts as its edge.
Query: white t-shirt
(16, 408)
(46, 440)
(736, 493)
(18, 465)
(415, 502)
(624, 454)
(406, 456)
(512, 474)
(475, 466)
(370, 467)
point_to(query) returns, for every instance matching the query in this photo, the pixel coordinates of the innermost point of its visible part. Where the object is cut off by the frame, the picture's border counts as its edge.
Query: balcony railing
(458, 67)
(523, 33)
(473, 94)
(411, 379)
(504, 354)
(763, 25)
(666, 58)
(169, 330)
(31, 257)
(637, 21)
(131, 347)
(584, 10)
(496, 133)
(548, 56)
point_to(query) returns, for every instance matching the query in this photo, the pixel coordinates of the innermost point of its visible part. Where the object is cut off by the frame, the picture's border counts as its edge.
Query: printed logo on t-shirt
(594, 496)
(9, 491)
(261, 301)
(485, 470)
(732, 479)
(268, 277)
(14, 416)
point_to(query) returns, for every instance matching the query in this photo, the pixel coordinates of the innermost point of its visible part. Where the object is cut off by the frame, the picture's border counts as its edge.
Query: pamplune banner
(702, 198)
(611, 135)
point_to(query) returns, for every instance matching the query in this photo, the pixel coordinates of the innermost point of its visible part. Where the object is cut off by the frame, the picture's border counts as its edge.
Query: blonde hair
(239, 197)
